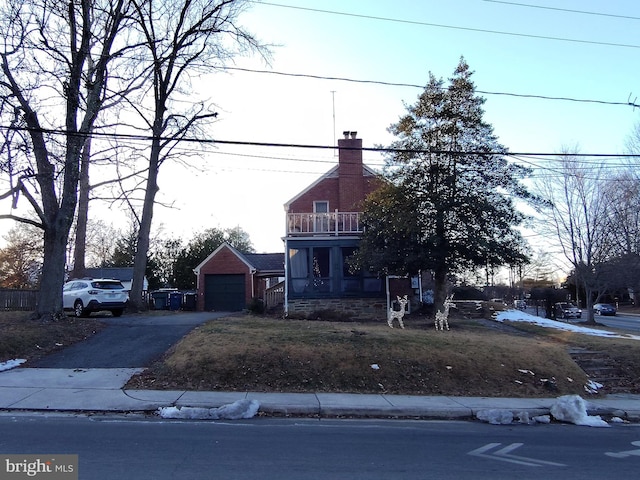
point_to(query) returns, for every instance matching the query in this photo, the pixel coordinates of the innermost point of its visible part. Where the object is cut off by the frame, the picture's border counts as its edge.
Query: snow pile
(593, 387)
(573, 409)
(9, 364)
(234, 411)
(519, 316)
(495, 416)
(568, 408)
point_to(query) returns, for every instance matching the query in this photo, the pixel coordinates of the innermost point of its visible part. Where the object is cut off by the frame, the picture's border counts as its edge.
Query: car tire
(79, 310)
(117, 312)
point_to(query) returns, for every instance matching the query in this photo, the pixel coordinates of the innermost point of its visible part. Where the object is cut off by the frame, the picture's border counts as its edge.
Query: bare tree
(45, 68)
(578, 216)
(184, 39)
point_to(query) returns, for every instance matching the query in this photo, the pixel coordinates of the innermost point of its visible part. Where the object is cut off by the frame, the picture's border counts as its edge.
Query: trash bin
(160, 300)
(189, 301)
(175, 301)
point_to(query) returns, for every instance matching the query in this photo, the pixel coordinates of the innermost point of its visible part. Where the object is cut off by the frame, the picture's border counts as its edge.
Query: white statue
(442, 317)
(394, 314)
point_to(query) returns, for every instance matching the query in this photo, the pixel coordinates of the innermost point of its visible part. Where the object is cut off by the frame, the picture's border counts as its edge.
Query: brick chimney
(351, 179)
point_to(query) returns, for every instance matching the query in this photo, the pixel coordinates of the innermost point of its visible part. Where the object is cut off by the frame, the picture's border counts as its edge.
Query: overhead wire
(411, 85)
(567, 10)
(453, 27)
(379, 149)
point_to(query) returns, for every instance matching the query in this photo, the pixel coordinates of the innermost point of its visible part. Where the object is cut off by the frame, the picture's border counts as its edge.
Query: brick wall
(352, 308)
(344, 189)
(327, 190)
(351, 180)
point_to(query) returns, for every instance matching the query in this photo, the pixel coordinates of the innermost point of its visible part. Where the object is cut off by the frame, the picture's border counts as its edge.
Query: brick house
(228, 280)
(323, 230)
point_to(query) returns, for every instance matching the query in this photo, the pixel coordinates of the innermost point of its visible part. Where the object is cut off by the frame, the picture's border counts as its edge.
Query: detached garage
(227, 280)
(225, 292)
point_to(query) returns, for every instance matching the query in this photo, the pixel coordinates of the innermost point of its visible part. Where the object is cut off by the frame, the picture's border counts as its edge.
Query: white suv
(86, 296)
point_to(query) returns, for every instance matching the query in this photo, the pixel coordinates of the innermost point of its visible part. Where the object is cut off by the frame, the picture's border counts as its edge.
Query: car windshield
(107, 285)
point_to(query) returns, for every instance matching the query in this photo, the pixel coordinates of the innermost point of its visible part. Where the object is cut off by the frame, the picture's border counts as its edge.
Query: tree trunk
(49, 306)
(589, 307)
(142, 245)
(80, 246)
(440, 286)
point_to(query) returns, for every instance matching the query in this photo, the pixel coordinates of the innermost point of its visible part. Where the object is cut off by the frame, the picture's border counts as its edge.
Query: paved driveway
(128, 341)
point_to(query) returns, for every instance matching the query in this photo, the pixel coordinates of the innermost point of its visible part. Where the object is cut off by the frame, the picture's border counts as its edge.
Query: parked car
(567, 310)
(520, 304)
(604, 309)
(86, 296)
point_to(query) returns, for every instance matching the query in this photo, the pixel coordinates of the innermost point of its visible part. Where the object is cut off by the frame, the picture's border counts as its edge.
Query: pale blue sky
(249, 190)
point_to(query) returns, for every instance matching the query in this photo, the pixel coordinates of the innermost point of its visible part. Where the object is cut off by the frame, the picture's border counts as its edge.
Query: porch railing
(274, 296)
(334, 223)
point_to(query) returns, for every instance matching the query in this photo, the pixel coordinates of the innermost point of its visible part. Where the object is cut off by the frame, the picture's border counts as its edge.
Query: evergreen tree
(449, 204)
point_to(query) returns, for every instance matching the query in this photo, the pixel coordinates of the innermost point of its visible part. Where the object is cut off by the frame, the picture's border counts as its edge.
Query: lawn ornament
(397, 314)
(442, 318)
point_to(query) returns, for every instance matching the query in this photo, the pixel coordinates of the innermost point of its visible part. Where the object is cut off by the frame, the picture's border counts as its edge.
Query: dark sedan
(604, 309)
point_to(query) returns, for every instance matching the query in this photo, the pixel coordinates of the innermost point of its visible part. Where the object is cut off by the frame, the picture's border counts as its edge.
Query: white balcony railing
(335, 223)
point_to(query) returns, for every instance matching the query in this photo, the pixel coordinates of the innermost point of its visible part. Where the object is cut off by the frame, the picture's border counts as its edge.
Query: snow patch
(573, 409)
(519, 316)
(568, 408)
(234, 411)
(498, 416)
(9, 364)
(593, 387)
(495, 416)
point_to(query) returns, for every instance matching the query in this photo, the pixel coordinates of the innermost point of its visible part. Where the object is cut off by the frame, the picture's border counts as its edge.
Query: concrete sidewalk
(101, 390)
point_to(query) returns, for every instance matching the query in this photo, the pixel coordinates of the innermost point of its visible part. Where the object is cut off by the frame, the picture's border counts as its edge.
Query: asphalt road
(630, 323)
(285, 449)
(128, 341)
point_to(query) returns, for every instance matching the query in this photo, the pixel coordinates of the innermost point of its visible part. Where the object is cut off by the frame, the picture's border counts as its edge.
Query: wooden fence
(274, 296)
(18, 299)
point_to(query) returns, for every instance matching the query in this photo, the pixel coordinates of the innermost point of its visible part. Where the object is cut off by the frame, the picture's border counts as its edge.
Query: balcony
(335, 223)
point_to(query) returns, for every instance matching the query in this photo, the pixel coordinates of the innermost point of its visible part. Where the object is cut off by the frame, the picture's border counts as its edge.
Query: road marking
(503, 455)
(626, 453)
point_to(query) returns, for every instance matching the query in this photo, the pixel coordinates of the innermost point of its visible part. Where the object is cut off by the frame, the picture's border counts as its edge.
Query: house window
(299, 268)
(322, 269)
(321, 211)
(350, 278)
(321, 207)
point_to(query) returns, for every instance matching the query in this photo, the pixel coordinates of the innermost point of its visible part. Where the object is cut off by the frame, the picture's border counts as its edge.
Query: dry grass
(475, 358)
(21, 337)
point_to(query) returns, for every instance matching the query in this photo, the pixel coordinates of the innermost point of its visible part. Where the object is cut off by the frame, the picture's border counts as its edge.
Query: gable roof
(260, 262)
(333, 173)
(266, 262)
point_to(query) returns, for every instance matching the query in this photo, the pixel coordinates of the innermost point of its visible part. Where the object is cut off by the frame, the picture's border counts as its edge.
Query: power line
(582, 12)
(411, 85)
(453, 27)
(211, 141)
